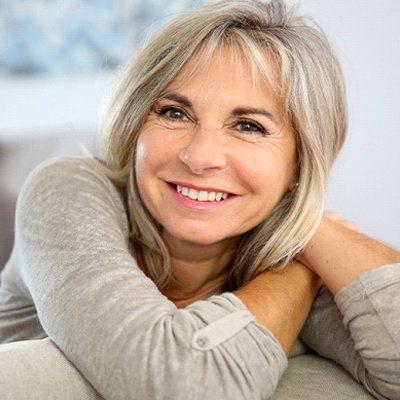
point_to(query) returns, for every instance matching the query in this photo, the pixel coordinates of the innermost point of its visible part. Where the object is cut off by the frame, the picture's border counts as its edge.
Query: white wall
(365, 184)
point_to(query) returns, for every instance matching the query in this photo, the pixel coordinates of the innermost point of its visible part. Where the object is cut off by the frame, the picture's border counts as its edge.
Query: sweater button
(202, 341)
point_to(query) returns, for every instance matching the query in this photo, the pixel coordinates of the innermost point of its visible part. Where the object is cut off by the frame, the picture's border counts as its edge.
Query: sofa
(7, 210)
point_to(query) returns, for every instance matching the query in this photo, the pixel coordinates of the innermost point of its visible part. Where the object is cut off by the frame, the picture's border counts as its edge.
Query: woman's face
(215, 156)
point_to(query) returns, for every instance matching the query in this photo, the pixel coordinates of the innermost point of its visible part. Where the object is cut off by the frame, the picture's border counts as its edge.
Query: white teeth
(212, 196)
(193, 194)
(201, 195)
(185, 191)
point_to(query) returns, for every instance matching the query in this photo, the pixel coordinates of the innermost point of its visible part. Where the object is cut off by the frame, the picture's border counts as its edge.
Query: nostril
(202, 160)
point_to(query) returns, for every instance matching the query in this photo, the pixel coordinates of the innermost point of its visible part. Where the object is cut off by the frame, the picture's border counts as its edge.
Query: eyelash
(164, 110)
(254, 126)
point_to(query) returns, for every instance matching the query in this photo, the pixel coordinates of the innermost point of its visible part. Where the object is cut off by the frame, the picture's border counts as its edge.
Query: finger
(349, 224)
(333, 215)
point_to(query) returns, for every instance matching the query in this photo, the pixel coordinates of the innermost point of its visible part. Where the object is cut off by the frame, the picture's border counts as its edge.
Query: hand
(333, 216)
(338, 253)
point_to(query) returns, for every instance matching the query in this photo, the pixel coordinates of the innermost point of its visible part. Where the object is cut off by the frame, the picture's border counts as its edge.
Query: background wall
(55, 73)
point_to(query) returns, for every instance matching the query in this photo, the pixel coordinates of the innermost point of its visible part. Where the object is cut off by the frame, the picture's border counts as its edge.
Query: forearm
(339, 255)
(281, 301)
(359, 329)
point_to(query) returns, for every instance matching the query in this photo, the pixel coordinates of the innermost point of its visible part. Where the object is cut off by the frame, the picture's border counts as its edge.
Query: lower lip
(198, 205)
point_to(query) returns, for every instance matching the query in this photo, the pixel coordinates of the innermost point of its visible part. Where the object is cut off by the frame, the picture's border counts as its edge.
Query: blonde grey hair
(312, 92)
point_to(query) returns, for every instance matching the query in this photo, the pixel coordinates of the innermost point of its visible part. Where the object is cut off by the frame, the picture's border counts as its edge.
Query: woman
(186, 264)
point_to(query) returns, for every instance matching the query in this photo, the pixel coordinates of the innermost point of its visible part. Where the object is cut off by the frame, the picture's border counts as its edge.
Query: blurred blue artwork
(53, 36)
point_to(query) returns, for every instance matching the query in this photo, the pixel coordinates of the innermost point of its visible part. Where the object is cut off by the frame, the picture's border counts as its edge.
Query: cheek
(153, 158)
(144, 164)
(269, 174)
(147, 152)
(140, 151)
(154, 145)
(141, 161)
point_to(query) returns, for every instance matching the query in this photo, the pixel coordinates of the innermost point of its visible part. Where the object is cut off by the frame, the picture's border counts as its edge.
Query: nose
(205, 151)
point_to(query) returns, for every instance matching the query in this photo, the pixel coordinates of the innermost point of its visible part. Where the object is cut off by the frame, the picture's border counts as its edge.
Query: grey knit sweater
(73, 278)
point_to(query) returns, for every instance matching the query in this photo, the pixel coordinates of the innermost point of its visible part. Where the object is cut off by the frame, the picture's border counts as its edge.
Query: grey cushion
(309, 377)
(7, 211)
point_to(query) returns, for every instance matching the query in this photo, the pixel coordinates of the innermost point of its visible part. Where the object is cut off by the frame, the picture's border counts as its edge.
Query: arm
(110, 320)
(339, 254)
(357, 328)
(289, 295)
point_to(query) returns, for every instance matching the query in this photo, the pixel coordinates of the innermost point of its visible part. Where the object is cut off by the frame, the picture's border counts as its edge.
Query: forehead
(255, 66)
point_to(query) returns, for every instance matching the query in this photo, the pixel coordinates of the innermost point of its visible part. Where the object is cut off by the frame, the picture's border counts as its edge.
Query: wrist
(339, 254)
(281, 300)
(313, 251)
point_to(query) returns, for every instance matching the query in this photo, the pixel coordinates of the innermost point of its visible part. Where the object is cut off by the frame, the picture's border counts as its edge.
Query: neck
(198, 270)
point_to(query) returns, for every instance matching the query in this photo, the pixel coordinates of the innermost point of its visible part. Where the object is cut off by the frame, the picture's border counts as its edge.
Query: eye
(172, 113)
(248, 126)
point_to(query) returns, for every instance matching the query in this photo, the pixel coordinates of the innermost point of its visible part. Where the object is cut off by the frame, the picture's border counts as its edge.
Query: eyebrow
(178, 98)
(237, 112)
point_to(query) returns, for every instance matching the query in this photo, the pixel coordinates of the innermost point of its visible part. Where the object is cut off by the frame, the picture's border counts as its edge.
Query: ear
(293, 187)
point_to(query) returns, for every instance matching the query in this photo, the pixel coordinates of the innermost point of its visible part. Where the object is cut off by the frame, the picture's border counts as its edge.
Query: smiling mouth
(201, 195)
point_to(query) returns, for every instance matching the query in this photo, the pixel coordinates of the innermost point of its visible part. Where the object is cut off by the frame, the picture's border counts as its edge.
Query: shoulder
(74, 183)
(66, 167)
(66, 173)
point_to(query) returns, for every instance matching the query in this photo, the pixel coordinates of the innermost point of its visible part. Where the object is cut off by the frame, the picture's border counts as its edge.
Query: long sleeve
(360, 329)
(110, 320)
